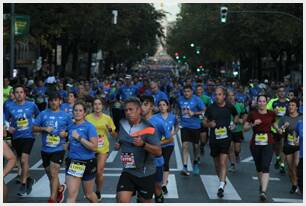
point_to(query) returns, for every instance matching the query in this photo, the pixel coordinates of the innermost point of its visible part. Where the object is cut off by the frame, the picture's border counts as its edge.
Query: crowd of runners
(142, 112)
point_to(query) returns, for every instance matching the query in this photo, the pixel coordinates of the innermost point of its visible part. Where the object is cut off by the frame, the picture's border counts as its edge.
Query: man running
(218, 119)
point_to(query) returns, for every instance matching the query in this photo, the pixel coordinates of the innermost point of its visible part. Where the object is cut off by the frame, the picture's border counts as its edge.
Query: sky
(171, 7)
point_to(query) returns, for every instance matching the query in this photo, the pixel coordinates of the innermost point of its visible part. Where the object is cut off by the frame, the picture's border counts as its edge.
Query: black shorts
(145, 186)
(237, 137)
(288, 149)
(219, 147)
(90, 170)
(23, 145)
(203, 129)
(190, 135)
(55, 157)
(167, 151)
(262, 156)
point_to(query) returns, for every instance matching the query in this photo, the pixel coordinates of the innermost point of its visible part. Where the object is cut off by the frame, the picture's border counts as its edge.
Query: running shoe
(282, 170)
(196, 169)
(232, 168)
(160, 199)
(263, 196)
(99, 196)
(61, 193)
(22, 190)
(185, 172)
(30, 182)
(164, 189)
(277, 163)
(220, 192)
(294, 189)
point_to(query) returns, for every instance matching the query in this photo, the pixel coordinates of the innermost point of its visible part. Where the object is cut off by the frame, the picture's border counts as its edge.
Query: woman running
(104, 125)
(261, 120)
(286, 128)
(167, 144)
(81, 162)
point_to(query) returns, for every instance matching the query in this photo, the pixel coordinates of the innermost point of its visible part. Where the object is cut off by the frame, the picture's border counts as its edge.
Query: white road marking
(37, 164)
(211, 184)
(271, 178)
(172, 187)
(249, 159)
(287, 200)
(112, 156)
(178, 156)
(9, 177)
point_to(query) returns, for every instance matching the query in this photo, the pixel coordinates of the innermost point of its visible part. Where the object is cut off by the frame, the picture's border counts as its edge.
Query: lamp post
(12, 40)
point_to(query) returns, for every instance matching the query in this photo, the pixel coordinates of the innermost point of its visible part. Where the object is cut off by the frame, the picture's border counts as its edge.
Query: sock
(185, 166)
(232, 164)
(221, 184)
(277, 157)
(237, 154)
(282, 164)
(195, 162)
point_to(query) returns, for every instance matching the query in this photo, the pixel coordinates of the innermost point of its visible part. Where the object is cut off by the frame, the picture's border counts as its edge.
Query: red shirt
(267, 121)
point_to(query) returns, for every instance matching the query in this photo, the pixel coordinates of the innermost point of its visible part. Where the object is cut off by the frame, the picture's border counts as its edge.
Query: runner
(167, 144)
(147, 109)
(299, 135)
(9, 155)
(261, 120)
(137, 151)
(286, 127)
(218, 119)
(68, 107)
(236, 134)
(190, 107)
(81, 164)
(53, 124)
(280, 107)
(20, 115)
(204, 130)
(157, 94)
(104, 125)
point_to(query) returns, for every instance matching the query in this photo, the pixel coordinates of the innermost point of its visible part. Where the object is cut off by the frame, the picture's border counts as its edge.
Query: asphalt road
(242, 185)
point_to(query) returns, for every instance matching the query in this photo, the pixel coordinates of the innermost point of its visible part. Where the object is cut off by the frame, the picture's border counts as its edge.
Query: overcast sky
(171, 7)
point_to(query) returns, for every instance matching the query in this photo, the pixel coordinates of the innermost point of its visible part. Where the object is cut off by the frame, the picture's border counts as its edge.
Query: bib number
(281, 111)
(100, 141)
(117, 105)
(290, 139)
(76, 168)
(221, 133)
(53, 141)
(128, 160)
(22, 124)
(261, 139)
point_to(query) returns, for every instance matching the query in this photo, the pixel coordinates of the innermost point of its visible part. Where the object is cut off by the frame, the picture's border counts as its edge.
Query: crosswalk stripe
(178, 156)
(112, 156)
(271, 178)
(249, 159)
(37, 164)
(287, 200)
(9, 177)
(172, 188)
(211, 184)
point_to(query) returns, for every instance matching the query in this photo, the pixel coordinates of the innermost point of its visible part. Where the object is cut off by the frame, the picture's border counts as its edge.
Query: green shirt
(205, 99)
(6, 92)
(240, 110)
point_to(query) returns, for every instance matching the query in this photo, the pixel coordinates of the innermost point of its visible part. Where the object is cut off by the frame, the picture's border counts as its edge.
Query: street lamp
(192, 44)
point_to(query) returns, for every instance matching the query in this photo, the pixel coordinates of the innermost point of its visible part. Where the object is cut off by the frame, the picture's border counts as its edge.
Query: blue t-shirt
(127, 91)
(194, 104)
(67, 108)
(158, 96)
(59, 121)
(63, 93)
(76, 150)
(254, 91)
(242, 98)
(299, 131)
(6, 105)
(161, 131)
(169, 123)
(21, 117)
(40, 91)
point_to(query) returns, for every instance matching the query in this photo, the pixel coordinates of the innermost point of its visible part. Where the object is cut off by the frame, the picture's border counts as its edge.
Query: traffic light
(223, 13)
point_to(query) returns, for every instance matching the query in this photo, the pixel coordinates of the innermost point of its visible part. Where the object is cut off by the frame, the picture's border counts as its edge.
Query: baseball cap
(53, 95)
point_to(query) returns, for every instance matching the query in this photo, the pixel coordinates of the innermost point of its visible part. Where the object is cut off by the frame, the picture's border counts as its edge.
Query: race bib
(40, 100)
(281, 111)
(221, 133)
(100, 141)
(261, 139)
(76, 168)
(290, 139)
(128, 160)
(117, 105)
(53, 140)
(22, 124)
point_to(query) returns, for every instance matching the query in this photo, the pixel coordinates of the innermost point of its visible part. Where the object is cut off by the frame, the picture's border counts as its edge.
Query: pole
(12, 40)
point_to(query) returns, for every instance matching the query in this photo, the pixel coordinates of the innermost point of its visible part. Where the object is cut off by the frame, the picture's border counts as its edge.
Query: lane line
(211, 184)
(287, 200)
(112, 156)
(249, 159)
(271, 178)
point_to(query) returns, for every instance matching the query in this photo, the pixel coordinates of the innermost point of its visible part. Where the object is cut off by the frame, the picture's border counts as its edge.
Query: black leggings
(300, 174)
(167, 151)
(262, 156)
